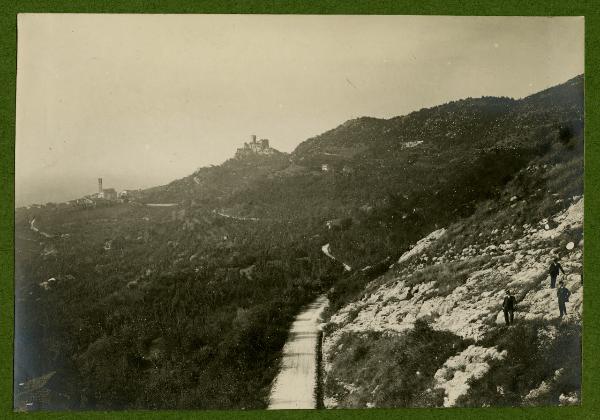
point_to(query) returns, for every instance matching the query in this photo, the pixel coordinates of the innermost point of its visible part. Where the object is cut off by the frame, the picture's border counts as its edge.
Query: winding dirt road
(294, 386)
(327, 251)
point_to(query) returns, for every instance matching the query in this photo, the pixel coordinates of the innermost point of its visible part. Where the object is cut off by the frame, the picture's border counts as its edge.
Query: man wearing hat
(508, 306)
(562, 293)
(554, 270)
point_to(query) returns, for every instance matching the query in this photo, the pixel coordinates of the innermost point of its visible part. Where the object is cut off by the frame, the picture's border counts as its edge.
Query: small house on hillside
(109, 194)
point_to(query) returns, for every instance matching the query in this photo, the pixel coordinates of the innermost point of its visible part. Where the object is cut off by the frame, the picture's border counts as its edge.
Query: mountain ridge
(368, 126)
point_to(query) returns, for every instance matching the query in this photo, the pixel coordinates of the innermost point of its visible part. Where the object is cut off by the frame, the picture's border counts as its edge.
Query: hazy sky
(141, 100)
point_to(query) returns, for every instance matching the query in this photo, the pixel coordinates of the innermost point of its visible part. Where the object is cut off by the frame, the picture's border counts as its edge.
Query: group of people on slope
(562, 294)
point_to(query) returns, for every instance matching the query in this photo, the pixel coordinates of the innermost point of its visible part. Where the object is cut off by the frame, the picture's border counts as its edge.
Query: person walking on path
(562, 293)
(555, 269)
(508, 306)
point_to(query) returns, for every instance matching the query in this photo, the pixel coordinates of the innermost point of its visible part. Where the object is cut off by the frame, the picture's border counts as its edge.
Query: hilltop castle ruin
(254, 147)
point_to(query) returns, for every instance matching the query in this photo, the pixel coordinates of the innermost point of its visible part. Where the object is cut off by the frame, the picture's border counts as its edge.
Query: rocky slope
(454, 280)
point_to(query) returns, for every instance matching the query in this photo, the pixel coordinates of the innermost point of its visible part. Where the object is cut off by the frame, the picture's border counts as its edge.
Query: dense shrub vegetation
(537, 352)
(163, 318)
(392, 370)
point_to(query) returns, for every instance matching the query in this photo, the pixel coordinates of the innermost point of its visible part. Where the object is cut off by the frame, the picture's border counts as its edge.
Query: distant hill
(216, 183)
(401, 177)
(428, 152)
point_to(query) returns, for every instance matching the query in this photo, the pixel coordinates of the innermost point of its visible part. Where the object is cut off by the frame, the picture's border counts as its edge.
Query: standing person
(562, 293)
(409, 294)
(508, 306)
(555, 268)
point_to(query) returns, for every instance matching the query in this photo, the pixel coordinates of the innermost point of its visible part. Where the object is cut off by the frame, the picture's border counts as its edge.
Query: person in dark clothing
(508, 306)
(555, 269)
(562, 293)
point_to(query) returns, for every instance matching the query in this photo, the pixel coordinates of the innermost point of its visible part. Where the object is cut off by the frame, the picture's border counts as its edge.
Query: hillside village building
(109, 194)
(254, 147)
(106, 193)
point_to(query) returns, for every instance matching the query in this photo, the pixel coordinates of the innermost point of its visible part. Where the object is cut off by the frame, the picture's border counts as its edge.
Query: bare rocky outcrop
(458, 370)
(471, 308)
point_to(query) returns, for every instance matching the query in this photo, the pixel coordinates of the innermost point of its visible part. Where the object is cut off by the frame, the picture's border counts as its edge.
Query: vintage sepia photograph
(249, 212)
